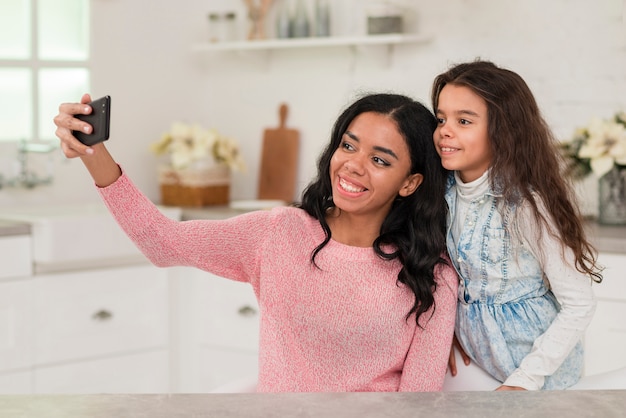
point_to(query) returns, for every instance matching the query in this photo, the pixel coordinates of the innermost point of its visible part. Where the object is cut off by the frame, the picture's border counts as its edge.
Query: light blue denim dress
(504, 304)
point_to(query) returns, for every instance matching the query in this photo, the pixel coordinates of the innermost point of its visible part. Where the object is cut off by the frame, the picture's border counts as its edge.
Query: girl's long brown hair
(526, 159)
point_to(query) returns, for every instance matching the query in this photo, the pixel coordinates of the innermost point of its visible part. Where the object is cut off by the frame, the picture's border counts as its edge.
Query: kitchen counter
(604, 404)
(606, 238)
(10, 228)
(610, 239)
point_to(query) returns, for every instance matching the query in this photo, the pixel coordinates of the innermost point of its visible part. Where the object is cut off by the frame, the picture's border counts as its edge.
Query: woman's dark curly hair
(415, 225)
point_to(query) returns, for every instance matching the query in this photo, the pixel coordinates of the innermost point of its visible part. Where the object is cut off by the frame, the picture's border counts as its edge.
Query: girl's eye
(464, 122)
(440, 121)
(380, 161)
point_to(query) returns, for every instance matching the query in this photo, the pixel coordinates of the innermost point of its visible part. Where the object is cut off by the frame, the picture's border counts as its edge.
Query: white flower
(605, 145)
(190, 144)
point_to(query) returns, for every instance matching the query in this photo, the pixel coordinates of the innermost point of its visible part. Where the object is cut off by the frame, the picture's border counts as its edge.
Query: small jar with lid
(222, 26)
(214, 23)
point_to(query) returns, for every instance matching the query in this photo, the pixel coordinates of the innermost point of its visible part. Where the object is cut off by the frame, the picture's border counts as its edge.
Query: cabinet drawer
(138, 373)
(227, 313)
(99, 312)
(605, 338)
(218, 367)
(16, 256)
(613, 285)
(16, 383)
(15, 325)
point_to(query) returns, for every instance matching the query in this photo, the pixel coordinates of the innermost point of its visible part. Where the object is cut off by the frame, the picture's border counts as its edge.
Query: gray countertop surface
(605, 238)
(602, 404)
(10, 228)
(611, 239)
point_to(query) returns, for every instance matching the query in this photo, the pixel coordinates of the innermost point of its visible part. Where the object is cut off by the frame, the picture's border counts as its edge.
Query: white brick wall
(572, 53)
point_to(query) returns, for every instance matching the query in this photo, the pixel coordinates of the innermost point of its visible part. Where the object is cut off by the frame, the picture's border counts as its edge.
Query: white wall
(572, 53)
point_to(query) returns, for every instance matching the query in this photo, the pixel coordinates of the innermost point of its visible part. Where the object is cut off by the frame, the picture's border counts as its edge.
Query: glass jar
(612, 197)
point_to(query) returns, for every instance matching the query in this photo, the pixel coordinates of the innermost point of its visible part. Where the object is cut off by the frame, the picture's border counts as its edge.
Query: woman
(353, 286)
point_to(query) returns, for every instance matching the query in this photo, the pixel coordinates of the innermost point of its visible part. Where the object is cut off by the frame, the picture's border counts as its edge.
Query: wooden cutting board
(279, 161)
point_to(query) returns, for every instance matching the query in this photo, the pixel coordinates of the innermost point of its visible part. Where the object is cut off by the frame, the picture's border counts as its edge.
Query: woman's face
(461, 137)
(371, 166)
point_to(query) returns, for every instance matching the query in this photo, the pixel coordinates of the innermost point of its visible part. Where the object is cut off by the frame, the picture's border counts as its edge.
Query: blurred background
(155, 59)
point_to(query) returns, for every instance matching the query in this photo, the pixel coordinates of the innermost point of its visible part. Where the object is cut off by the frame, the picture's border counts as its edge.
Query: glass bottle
(322, 18)
(300, 21)
(282, 20)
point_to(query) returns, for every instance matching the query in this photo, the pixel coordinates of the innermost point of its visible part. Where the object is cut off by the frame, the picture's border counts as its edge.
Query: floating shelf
(312, 42)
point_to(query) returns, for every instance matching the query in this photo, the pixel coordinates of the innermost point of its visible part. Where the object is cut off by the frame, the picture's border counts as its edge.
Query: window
(44, 60)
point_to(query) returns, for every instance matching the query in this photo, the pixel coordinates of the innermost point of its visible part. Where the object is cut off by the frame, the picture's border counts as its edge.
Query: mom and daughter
(419, 233)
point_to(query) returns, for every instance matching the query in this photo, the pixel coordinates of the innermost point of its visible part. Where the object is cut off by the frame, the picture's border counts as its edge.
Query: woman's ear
(411, 184)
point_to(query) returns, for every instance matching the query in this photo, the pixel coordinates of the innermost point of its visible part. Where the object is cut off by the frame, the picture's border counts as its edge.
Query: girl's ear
(411, 184)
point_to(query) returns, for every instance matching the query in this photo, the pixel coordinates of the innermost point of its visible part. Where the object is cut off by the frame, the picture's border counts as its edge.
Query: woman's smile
(350, 187)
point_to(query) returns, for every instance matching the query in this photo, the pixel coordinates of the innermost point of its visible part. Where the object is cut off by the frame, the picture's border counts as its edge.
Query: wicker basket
(195, 187)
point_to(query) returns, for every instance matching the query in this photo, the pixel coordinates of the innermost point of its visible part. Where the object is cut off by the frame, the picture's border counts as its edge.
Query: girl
(354, 290)
(514, 234)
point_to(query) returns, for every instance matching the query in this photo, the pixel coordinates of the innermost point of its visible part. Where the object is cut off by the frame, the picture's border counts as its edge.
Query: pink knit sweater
(339, 327)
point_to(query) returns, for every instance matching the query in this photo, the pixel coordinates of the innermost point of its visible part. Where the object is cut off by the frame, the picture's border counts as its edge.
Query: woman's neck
(356, 231)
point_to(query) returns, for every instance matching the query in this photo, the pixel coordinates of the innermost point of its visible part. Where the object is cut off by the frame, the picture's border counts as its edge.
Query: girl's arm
(427, 360)
(573, 291)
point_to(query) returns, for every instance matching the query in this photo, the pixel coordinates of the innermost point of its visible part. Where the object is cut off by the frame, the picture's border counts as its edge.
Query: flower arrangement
(597, 147)
(191, 144)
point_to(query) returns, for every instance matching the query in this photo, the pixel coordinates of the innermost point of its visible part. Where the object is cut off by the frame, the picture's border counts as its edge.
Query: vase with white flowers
(197, 171)
(600, 149)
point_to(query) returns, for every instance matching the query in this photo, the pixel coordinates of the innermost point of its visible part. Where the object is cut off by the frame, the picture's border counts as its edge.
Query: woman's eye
(440, 121)
(347, 146)
(464, 122)
(380, 161)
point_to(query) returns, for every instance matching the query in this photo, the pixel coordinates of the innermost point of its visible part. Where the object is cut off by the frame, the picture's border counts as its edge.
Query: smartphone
(99, 119)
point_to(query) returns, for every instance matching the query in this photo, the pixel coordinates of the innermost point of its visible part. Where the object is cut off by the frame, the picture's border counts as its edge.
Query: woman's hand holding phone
(99, 119)
(69, 123)
(100, 164)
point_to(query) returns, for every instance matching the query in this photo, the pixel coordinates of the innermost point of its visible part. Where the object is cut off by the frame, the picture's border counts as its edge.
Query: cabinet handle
(247, 311)
(102, 315)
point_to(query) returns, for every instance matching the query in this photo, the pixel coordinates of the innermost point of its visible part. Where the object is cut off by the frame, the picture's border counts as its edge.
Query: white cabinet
(16, 325)
(15, 256)
(89, 331)
(605, 339)
(84, 315)
(16, 319)
(105, 330)
(218, 331)
(143, 372)
(15, 383)
(81, 309)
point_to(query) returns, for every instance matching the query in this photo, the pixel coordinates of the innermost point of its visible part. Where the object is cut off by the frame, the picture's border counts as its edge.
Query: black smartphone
(99, 119)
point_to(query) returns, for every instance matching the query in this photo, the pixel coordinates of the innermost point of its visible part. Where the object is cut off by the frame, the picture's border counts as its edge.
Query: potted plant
(198, 169)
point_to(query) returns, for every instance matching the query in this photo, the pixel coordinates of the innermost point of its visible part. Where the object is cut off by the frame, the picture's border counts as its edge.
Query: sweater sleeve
(427, 360)
(227, 248)
(572, 290)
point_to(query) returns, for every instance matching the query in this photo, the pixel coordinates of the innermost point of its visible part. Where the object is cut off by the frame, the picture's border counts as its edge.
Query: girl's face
(371, 167)
(461, 137)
